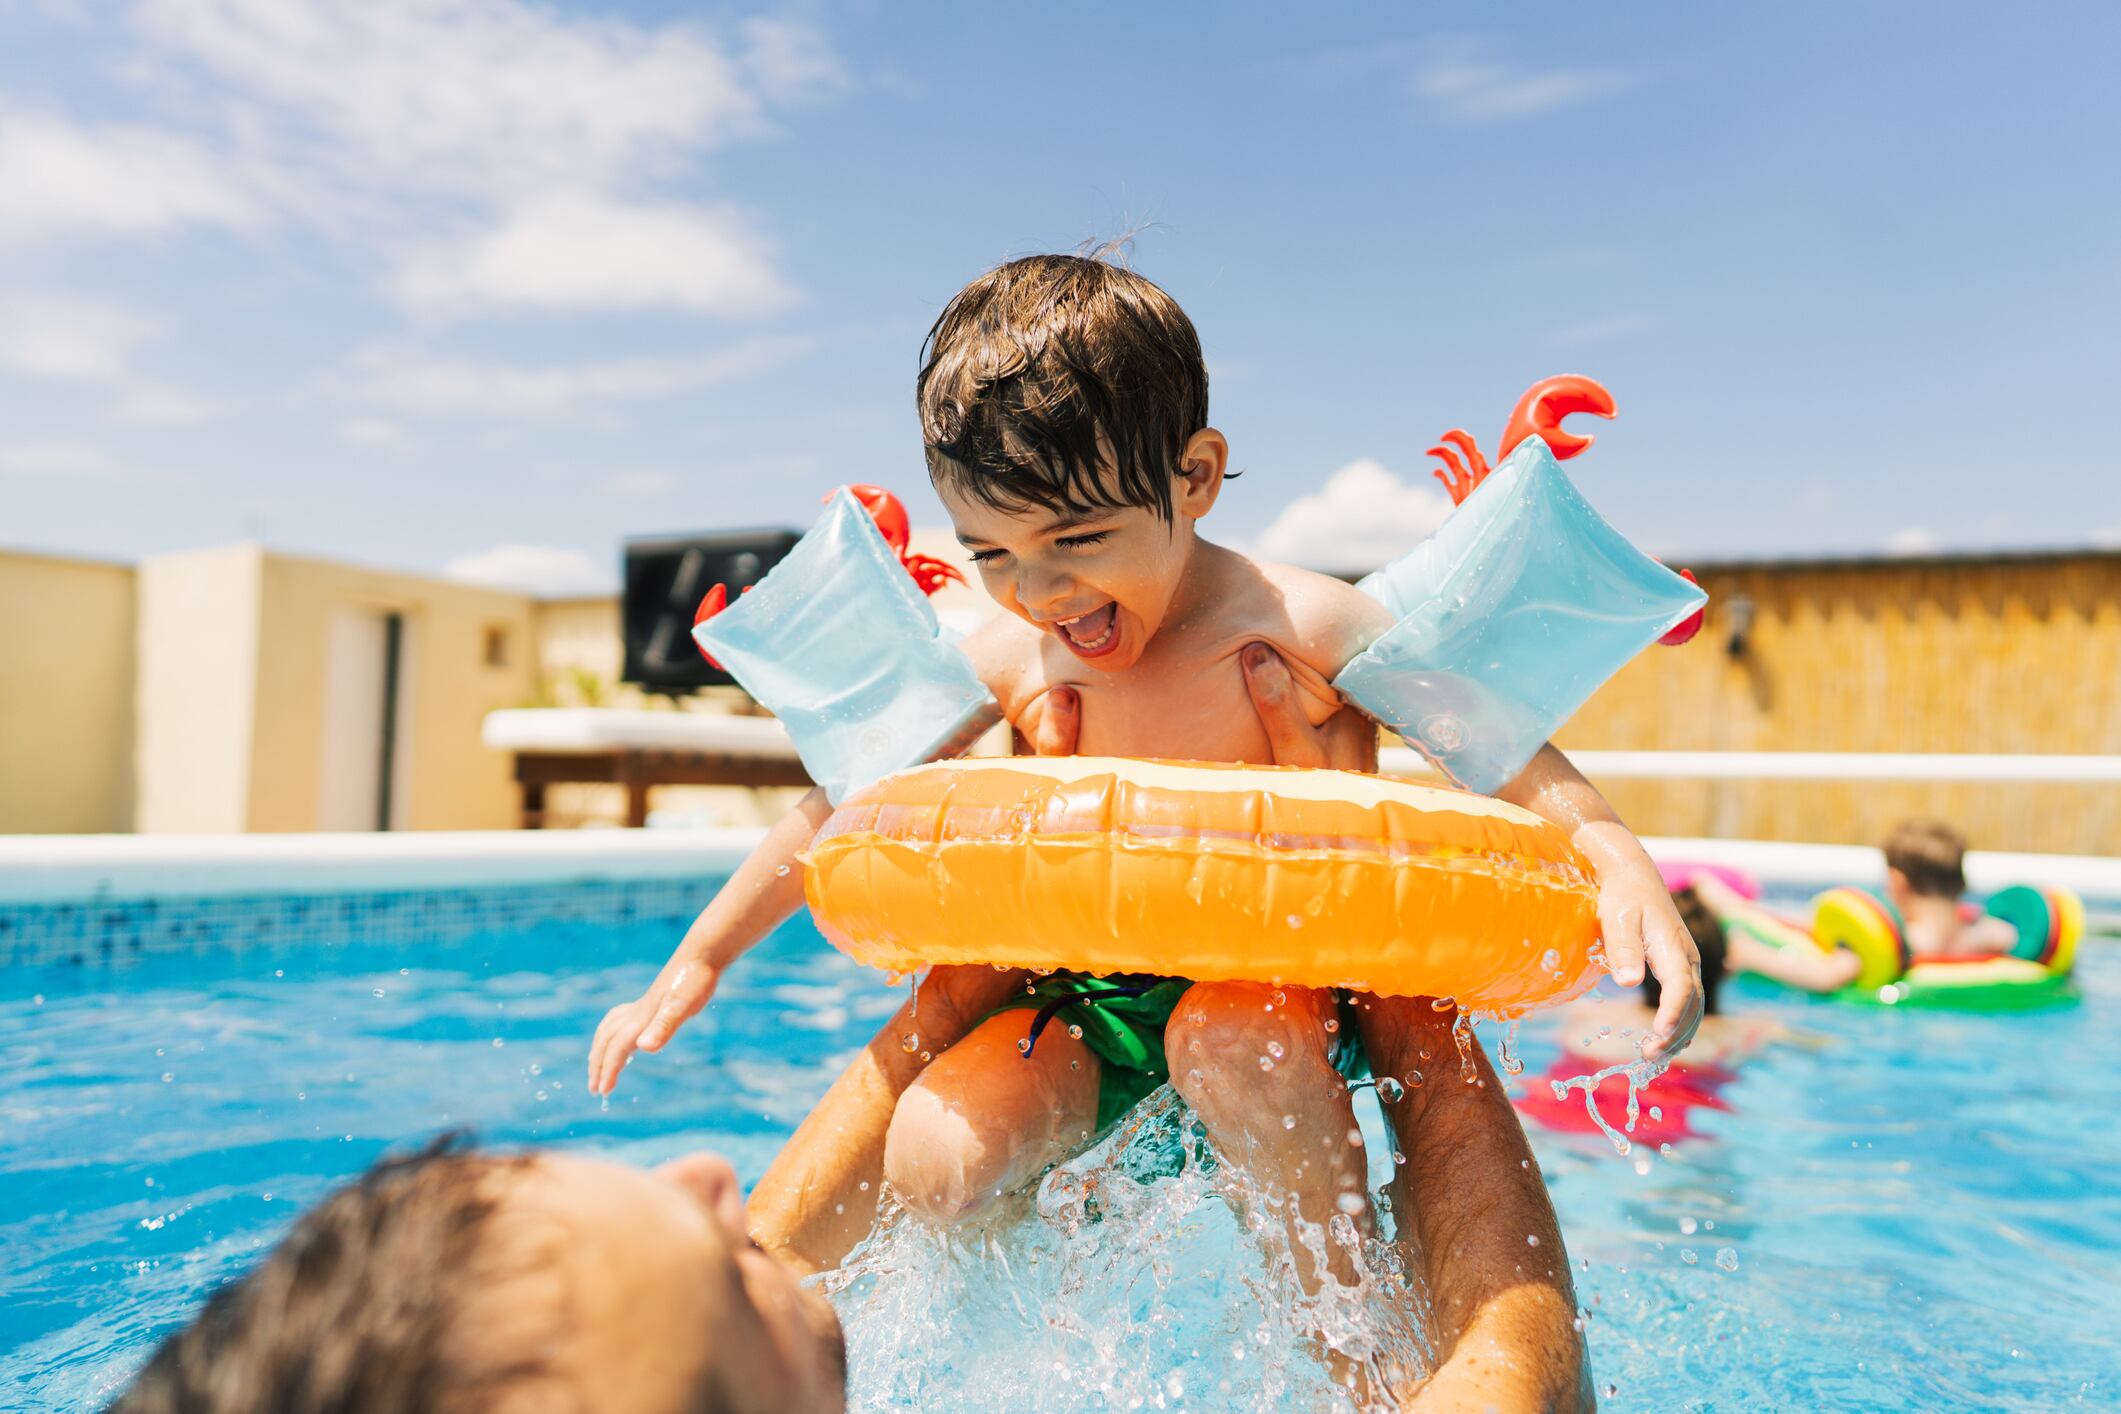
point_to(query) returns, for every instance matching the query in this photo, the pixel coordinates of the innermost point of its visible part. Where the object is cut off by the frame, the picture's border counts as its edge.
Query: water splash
(1639, 1073)
(1130, 1270)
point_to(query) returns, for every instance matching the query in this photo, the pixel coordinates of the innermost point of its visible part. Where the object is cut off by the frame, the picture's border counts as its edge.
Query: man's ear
(1201, 463)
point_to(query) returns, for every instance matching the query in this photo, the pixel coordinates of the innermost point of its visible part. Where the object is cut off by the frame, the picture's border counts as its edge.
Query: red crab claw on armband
(887, 510)
(892, 523)
(1686, 628)
(717, 600)
(1540, 411)
(1459, 478)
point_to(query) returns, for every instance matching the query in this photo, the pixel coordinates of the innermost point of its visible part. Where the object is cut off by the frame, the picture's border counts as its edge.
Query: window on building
(497, 645)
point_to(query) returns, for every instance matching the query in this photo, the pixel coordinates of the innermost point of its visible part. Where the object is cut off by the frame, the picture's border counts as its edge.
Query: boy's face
(1102, 583)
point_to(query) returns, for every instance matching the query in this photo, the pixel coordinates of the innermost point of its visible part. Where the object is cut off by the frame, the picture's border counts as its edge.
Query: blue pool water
(1915, 1211)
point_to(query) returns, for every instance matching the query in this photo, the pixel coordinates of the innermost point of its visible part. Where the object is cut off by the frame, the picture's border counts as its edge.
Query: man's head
(1924, 859)
(1064, 408)
(1709, 942)
(456, 1281)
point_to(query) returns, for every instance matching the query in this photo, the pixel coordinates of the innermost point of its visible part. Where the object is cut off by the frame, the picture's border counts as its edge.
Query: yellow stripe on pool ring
(1852, 919)
(1213, 872)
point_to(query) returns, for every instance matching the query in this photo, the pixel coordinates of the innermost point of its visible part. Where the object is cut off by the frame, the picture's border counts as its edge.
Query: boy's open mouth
(1091, 635)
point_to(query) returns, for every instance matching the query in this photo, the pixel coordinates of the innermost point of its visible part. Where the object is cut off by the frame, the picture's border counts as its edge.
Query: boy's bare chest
(1186, 705)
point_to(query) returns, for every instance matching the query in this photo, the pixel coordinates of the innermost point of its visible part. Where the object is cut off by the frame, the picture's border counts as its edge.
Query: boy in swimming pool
(1063, 406)
(1925, 879)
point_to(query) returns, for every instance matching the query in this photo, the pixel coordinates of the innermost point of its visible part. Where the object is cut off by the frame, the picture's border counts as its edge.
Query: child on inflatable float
(1915, 942)
(1063, 403)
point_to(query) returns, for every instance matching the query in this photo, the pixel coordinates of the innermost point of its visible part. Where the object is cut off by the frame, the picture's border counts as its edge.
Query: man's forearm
(1475, 1219)
(818, 1197)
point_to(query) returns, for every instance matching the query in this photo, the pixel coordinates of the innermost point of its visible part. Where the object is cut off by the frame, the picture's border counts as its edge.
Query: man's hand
(1347, 741)
(648, 1022)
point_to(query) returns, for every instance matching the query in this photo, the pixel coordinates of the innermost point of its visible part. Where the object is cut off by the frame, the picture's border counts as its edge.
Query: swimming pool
(1920, 1212)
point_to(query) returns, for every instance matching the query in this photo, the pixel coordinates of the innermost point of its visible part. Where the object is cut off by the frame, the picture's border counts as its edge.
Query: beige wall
(452, 782)
(66, 695)
(198, 666)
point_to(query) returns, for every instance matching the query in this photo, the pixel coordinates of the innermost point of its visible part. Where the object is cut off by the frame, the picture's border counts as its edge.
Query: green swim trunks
(1123, 1019)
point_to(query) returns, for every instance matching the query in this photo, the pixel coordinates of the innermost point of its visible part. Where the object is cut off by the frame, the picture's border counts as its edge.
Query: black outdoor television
(666, 577)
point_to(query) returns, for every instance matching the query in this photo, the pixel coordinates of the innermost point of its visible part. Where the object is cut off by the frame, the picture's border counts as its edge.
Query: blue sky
(490, 285)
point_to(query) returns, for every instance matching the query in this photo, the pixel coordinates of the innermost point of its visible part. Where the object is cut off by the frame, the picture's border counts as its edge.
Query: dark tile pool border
(113, 932)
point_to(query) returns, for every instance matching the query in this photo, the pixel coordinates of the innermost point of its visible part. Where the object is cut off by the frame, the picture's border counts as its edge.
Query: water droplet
(1266, 1062)
(1349, 1203)
(158, 1050)
(927, 1056)
(1689, 1256)
(168, 1076)
(1727, 1258)
(541, 1094)
(1076, 1032)
(782, 872)
(1023, 1046)
(377, 992)
(1274, 1049)
(865, 1185)
(1550, 960)
(911, 1042)
(1355, 1138)
(1398, 1158)
(1332, 1025)
(1656, 1112)
(1288, 1121)
(1689, 1226)
(1612, 1391)
(1389, 1090)
(536, 1069)
(498, 1043)
(1531, 1239)
(405, 972)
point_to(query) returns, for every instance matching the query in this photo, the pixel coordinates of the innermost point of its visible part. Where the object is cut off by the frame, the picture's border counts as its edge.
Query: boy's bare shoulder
(1330, 619)
(1005, 653)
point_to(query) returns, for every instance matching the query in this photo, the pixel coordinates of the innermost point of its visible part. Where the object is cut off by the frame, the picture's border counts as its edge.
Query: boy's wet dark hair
(350, 1313)
(1709, 941)
(1063, 383)
(1931, 855)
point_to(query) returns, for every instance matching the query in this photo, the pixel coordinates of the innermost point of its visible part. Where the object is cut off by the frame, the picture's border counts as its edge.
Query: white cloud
(481, 95)
(50, 337)
(577, 251)
(1466, 84)
(50, 458)
(482, 152)
(466, 386)
(1362, 517)
(1913, 540)
(167, 407)
(2108, 539)
(642, 483)
(58, 178)
(547, 570)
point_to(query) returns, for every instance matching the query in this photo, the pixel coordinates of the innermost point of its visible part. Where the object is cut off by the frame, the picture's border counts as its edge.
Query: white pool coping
(70, 868)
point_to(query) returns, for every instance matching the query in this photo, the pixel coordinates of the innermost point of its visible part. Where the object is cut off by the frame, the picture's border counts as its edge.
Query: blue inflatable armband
(1512, 614)
(840, 644)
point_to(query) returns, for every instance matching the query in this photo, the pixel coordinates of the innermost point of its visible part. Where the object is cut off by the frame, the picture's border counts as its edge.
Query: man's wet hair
(1064, 383)
(351, 1313)
(1709, 941)
(1931, 855)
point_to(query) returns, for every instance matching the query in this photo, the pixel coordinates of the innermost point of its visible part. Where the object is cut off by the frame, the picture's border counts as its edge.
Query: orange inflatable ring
(1213, 872)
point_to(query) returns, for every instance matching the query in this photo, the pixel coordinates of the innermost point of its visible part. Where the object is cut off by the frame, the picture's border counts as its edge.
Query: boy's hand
(1639, 920)
(648, 1023)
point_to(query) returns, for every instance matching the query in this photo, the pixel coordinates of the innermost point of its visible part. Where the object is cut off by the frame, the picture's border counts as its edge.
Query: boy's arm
(764, 890)
(1635, 911)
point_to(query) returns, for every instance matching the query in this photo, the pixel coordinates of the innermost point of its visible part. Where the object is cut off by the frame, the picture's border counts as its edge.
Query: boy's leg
(1251, 1060)
(985, 1120)
(818, 1197)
